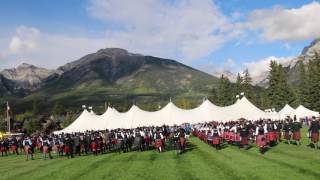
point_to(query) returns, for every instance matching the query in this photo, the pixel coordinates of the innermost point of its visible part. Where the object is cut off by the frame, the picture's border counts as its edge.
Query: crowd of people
(266, 133)
(96, 142)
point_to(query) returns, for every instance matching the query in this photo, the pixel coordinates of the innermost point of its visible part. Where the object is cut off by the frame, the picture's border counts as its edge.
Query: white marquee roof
(173, 115)
(303, 112)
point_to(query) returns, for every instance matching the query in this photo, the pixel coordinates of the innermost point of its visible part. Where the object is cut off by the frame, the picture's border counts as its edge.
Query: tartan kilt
(296, 136)
(244, 140)
(216, 140)
(237, 138)
(114, 141)
(27, 149)
(287, 136)
(231, 136)
(94, 146)
(182, 141)
(45, 149)
(13, 148)
(158, 143)
(82, 148)
(261, 140)
(147, 139)
(315, 137)
(67, 149)
(3, 149)
(271, 136)
(195, 133)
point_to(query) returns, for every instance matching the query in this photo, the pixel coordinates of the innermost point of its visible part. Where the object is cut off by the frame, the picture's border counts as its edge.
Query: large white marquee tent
(173, 115)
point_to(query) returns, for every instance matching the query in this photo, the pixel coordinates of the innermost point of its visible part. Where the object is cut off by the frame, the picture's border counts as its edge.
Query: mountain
(291, 66)
(115, 74)
(25, 77)
(226, 73)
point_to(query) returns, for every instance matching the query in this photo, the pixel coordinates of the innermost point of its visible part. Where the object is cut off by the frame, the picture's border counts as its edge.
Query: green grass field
(201, 161)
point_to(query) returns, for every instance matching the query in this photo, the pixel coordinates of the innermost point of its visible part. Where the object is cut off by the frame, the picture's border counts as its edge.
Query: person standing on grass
(46, 148)
(314, 131)
(260, 137)
(28, 148)
(68, 147)
(296, 126)
(287, 131)
(244, 136)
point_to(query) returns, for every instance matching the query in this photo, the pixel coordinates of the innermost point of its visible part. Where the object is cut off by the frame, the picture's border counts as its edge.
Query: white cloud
(188, 29)
(29, 44)
(287, 24)
(24, 40)
(259, 67)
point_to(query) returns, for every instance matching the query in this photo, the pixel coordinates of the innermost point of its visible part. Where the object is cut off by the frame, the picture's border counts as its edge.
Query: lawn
(201, 161)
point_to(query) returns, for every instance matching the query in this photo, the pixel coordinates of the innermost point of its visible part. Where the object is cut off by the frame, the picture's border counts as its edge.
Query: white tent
(285, 111)
(84, 122)
(303, 112)
(168, 115)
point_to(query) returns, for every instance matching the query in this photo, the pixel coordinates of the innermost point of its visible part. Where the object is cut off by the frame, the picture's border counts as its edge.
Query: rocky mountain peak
(314, 46)
(26, 76)
(113, 51)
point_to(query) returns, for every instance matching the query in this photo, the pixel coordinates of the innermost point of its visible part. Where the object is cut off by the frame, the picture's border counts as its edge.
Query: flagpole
(8, 119)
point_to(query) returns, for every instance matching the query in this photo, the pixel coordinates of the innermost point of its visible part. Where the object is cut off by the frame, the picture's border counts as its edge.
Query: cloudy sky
(206, 34)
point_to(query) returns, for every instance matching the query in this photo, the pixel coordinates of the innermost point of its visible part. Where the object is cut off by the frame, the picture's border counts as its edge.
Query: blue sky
(210, 35)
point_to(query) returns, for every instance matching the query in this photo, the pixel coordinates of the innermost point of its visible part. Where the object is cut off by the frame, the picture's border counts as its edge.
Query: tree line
(279, 91)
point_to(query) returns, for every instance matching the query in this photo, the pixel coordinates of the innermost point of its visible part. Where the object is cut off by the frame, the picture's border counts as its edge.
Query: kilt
(296, 136)
(287, 136)
(182, 141)
(147, 139)
(271, 136)
(216, 140)
(67, 149)
(13, 148)
(158, 143)
(114, 141)
(224, 135)
(244, 140)
(82, 147)
(3, 149)
(236, 138)
(45, 149)
(205, 137)
(231, 136)
(27, 150)
(195, 133)
(315, 137)
(261, 140)
(94, 146)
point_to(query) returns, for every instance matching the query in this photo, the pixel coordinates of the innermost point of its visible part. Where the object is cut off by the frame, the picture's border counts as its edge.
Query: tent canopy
(303, 112)
(173, 115)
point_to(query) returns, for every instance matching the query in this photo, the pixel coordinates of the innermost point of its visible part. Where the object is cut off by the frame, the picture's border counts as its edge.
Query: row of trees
(279, 91)
(226, 92)
(309, 83)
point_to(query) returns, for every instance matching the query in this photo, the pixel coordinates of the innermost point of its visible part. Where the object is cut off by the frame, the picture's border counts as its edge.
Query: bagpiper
(296, 126)
(314, 132)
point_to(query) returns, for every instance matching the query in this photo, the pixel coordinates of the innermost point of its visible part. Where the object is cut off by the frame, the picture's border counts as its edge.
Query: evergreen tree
(272, 91)
(225, 95)
(279, 92)
(247, 87)
(238, 85)
(303, 85)
(58, 109)
(314, 83)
